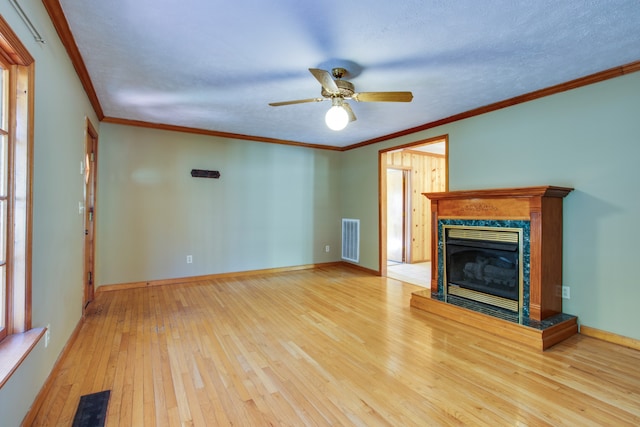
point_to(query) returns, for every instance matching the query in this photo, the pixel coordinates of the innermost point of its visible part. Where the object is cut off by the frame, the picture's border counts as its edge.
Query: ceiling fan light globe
(336, 118)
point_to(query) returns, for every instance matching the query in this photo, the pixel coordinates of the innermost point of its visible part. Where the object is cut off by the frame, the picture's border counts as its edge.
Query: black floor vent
(92, 410)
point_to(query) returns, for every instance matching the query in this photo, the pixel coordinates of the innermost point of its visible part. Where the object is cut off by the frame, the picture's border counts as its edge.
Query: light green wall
(273, 206)
(588, 139)
(61, 106)
(359, 195)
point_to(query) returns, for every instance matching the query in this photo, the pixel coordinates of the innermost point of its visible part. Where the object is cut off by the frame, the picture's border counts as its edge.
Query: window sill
(14, 349)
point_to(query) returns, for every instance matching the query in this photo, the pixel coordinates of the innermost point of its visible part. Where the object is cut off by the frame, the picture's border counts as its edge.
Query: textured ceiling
(215, 65)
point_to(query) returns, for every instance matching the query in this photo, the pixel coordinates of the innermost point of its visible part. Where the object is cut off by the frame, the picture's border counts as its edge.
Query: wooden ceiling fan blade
(325, 79)
(347, 108)
(383, 96)
(297, 101)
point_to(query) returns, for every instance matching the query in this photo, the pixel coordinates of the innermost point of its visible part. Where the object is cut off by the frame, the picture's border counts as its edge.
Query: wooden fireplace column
(542, 206)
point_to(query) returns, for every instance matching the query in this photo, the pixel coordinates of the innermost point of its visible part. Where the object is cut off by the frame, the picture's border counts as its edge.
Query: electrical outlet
(189, 259)
(566, 292)
(327, 248)
(47, 336)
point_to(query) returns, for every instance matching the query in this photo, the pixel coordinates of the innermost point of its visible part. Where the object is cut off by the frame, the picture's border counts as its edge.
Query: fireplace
(497, 262)
(484, 264)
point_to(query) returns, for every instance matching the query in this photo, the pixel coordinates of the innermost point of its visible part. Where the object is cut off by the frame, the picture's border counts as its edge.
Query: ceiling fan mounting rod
(339, 72)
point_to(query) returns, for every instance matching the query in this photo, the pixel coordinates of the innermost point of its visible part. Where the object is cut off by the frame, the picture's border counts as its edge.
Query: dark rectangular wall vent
(201, 173)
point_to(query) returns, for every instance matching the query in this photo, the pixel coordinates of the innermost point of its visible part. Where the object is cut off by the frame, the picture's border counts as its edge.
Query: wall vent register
(351, 239)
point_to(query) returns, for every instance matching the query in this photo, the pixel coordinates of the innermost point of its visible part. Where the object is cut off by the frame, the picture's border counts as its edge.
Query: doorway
(397, 211)
(406, 173)
(90, 162)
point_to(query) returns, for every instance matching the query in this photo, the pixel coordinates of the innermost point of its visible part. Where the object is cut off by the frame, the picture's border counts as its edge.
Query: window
(16, 106)
(4, 200)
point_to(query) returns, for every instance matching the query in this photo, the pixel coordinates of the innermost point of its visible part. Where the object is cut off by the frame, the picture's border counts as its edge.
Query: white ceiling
(215, 65)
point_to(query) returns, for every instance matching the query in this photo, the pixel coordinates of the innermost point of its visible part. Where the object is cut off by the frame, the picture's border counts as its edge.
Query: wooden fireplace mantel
(542, 206)
(543, 190)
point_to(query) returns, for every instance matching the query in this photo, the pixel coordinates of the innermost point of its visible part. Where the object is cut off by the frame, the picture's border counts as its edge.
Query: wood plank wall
(428, 174)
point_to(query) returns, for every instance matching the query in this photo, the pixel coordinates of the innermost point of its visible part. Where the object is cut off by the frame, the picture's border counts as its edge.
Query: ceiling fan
(336, 90)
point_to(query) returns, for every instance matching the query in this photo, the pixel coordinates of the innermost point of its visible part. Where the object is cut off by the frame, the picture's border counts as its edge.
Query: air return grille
(351, 239)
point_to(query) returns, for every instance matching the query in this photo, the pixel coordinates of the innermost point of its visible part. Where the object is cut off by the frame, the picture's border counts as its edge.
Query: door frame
(90, 175)
(382, 192)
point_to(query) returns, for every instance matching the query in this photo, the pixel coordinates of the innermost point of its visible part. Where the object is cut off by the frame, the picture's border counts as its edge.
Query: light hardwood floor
(332, 346)
(416, 274)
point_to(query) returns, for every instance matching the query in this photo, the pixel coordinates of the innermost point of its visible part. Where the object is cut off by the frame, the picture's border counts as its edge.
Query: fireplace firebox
(484, 264)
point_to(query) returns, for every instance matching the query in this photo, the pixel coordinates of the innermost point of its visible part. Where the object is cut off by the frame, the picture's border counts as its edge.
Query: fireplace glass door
(484, 265)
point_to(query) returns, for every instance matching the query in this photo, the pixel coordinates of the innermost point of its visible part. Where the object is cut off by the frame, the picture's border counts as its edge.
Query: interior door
(397, 182)
(90, 162)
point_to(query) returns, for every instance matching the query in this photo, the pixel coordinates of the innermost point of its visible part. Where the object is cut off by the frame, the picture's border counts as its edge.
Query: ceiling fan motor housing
(345, 88)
